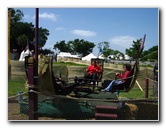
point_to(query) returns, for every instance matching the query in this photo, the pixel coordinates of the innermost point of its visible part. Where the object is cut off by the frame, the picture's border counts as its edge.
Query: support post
(33, 97)
(147, 88)
(33, 76)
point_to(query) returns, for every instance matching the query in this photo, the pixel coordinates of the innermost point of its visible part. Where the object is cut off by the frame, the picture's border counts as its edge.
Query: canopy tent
(66, 55)
(23, 54)
(101, 56)
(89, 57)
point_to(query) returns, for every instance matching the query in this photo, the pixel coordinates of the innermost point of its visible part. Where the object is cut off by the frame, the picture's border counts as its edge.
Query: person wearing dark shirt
(155, 71)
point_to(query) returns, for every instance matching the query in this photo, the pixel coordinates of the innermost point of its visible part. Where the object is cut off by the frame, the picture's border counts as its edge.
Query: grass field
(68, 64)
(14, 87)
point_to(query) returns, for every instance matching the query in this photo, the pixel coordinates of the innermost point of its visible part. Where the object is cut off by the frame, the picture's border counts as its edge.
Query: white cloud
(45, 15)
(50, 16)
(123, 41)
(83, 32)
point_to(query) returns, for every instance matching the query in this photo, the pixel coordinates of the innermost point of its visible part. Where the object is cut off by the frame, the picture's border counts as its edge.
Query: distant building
(64, 55)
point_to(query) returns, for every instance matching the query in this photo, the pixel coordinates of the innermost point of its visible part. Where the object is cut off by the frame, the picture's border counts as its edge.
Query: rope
(27, 85)
(149, 54)
(11, 97)
(153, 80)
(108, 72)
(90, 99)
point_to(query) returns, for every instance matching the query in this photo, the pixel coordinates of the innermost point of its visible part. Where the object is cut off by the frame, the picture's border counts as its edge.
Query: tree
(21, 31)
(106, 51)
(46, 51)
(151, 54)
(132, 51)
(79, 47)
(43, 34)
(82, 47)
(16, 17)
(22, 41)
(62, 46)
(104, 48)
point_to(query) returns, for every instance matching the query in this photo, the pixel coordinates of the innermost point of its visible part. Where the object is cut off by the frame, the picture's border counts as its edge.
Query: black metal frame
(81, 82)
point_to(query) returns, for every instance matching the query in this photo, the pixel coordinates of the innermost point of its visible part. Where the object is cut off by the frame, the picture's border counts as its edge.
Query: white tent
(101, 56)
(127, 57)
(89, 57)
(23, 54)
(66, 55)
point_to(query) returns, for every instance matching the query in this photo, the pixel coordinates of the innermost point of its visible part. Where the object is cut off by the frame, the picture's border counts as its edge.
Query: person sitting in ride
(123, 77)
(93, 71)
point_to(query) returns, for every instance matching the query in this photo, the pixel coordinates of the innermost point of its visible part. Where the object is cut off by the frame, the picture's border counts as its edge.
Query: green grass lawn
(14, 87)
(67, 64)
(134, 93)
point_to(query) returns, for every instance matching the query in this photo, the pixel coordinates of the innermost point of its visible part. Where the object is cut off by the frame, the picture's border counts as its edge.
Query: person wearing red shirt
(93, 71)
(127, 68)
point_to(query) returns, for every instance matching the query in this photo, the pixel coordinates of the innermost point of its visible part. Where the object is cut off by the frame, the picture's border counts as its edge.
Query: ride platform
(70, 107)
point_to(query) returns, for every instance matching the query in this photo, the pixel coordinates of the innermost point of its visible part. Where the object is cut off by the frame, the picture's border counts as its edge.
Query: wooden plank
(105, 116)
(106, 107)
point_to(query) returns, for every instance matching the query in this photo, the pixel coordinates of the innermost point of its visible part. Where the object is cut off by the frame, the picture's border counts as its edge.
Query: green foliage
(21, 31)
(43, 34)
(62, 46)
(80, 47)
(107, 51)
(46, 51)
(151, 54)
(22, 40)
(132, 51)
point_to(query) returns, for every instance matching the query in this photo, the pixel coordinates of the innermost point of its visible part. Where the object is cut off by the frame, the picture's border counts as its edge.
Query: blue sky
(118, 26)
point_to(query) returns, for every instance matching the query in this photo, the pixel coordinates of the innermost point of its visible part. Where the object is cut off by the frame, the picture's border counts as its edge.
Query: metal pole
(147, 88)
(33, 76)
(36, 39)
(32, 110)
(9, 15)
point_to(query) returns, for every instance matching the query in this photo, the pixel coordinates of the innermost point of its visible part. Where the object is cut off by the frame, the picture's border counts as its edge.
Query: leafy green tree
(43, 34)
(80, 47)
(132, 51)
(16, 16)
(22, 41)
(62, 46)
(46, 51)
(151, 54)
(21, 31)
(104, 46)
(106, 51)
